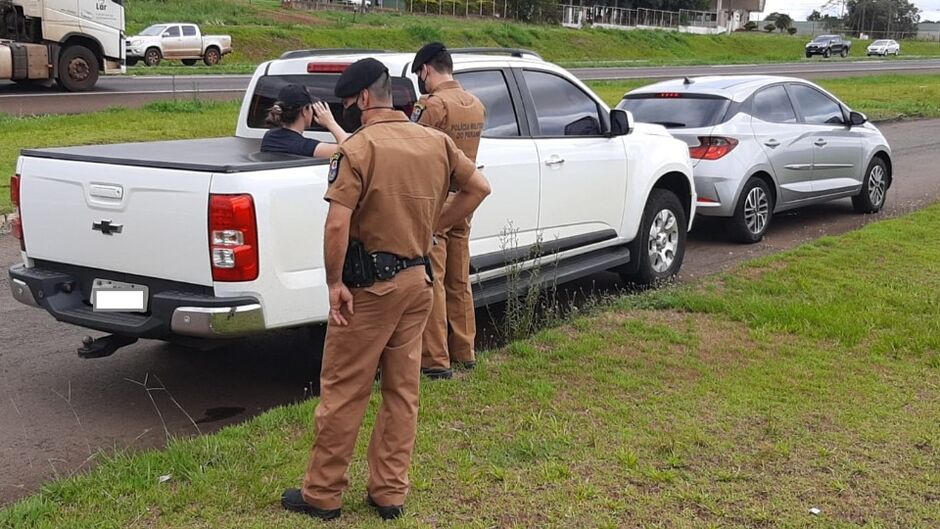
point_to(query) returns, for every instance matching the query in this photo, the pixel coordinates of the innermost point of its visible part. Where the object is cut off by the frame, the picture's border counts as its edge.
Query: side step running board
(551, 271)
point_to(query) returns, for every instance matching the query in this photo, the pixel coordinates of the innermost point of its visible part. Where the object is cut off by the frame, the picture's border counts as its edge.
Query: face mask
(422, 86)
(352, 117)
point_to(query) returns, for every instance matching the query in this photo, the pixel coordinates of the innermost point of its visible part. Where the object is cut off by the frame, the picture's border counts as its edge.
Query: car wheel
(212, 57)
(808, 55)
(827, 53)
(874, 188)
(152, 57)
(753, 213)
(661, 244)
(131, 62)
(189, 62)
(78, 69)
(844, 52)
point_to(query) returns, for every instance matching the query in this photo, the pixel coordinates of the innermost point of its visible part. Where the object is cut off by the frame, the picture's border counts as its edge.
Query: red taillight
(712, 147)
(326, 67)
(17, 224)
(233, 238)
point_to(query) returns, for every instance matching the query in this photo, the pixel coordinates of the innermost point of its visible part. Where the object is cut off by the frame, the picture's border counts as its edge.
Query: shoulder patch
(416, 113)
(334, 167)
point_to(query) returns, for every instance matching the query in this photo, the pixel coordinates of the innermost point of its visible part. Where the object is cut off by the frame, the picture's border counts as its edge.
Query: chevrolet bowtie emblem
(107, 228)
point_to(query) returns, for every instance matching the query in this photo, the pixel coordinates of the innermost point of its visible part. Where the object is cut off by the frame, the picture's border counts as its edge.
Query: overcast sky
(799, 9)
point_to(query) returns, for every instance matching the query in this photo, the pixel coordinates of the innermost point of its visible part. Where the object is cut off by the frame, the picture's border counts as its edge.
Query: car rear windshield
(320, 86)
(674, 111)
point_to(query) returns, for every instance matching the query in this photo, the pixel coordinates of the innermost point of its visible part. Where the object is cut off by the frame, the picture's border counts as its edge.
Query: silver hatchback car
(764, 144)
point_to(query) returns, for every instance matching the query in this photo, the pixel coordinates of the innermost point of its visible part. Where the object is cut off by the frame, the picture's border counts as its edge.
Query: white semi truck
(68, 41)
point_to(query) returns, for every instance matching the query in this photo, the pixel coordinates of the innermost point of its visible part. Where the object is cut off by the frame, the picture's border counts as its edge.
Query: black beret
(359, 76)
(426, 54)
(294, 95)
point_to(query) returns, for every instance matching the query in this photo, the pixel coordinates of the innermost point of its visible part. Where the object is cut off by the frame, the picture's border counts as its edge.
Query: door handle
(773, 144)
(554, 161)
(820, 142)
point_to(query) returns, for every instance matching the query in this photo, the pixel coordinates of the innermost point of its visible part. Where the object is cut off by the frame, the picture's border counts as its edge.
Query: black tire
(190, 62)
(153, 56)
(874, 190)
(131, 62)
(809, 55)
(649, 271)
(844, 52)
(212, 57)
(827, 53)
(78, 69)
(753, 213)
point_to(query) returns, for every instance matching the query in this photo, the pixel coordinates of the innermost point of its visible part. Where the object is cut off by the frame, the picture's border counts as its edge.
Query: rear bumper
(171, 312)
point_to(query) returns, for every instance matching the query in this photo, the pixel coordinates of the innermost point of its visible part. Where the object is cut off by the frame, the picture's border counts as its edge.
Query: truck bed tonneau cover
(217, 155)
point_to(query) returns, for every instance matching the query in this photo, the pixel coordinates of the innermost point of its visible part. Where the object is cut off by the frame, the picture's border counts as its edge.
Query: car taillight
(233, 238)
(712, 147)
(17, 224)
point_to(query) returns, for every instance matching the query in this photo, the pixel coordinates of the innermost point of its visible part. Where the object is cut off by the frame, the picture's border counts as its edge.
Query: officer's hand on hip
(340, 297)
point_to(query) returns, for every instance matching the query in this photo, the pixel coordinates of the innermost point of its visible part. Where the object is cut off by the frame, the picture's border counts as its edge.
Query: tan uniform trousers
(385, 332)
(452, 325)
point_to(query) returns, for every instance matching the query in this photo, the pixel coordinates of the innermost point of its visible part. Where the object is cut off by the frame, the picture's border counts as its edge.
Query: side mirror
(621, 122)
(857, 118)
(167, 34)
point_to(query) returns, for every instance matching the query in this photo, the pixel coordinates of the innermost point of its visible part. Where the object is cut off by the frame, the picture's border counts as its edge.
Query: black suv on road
(827, 45)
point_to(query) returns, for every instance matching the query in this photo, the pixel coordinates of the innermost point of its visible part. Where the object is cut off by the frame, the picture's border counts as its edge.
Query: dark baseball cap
(294, 95)
(426, 54)
(359, 76)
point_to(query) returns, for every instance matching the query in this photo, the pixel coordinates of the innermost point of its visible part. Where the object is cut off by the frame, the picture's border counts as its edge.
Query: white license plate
(115, 296)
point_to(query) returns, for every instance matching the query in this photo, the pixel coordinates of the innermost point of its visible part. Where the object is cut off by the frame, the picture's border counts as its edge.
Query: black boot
(437, 374)
(293, 500)
(389, 512)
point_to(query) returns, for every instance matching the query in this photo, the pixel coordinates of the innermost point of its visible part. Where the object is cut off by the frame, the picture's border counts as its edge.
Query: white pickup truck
(210, 239)
(184, 42)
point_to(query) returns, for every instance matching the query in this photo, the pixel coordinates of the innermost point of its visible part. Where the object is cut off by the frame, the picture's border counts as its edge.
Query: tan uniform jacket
(381, 173)
(456, 112)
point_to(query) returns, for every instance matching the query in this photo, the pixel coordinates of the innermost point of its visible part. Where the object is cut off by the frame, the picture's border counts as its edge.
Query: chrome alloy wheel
(756, 210)
(876, 185)
(663, 240)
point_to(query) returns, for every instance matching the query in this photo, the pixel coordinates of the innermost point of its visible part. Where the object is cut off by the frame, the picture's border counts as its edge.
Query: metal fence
(572, 15)
(456, 8)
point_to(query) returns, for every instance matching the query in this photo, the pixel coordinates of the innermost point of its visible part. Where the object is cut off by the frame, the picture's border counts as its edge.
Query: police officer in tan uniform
(387, 188)
(446, 106)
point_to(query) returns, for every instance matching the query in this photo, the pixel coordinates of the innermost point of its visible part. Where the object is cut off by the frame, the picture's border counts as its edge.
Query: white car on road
(188, 240)
(883, 47)
(184, 42)
(765, 144)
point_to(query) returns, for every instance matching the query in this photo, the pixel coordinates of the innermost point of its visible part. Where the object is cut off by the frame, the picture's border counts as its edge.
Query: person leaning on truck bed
(290, 116)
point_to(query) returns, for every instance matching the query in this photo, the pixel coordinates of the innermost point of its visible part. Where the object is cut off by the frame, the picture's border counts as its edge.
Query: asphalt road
(135, 91)
(58, 411)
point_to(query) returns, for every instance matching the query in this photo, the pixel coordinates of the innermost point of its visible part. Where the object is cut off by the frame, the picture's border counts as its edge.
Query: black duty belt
(362, 268)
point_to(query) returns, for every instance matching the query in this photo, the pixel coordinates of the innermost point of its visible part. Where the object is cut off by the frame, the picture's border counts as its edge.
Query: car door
(172, 42)
(584, 172)
(508, 218)
(191, 42)
(837, 152)
(788, 146)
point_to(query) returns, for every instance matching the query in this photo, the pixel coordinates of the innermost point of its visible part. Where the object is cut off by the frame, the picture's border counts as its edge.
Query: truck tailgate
(141, 220)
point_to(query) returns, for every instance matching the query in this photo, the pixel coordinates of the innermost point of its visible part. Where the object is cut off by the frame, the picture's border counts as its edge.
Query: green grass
(807, 379)
(262, 30)
(881, 97)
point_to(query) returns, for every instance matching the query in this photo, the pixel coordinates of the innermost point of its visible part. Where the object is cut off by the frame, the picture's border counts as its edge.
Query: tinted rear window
(687, 111)
(321, 87)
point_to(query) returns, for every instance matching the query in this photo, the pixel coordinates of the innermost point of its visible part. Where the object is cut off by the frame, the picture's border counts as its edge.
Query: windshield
(880, 43)
(824, 38)
(153, 31)
(688, 111)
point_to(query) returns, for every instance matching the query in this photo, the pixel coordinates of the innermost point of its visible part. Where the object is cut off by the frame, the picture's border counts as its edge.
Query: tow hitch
(103, 347)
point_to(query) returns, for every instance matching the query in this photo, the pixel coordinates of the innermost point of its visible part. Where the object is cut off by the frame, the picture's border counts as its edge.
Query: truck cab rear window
(320, 87)
(688, 111)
